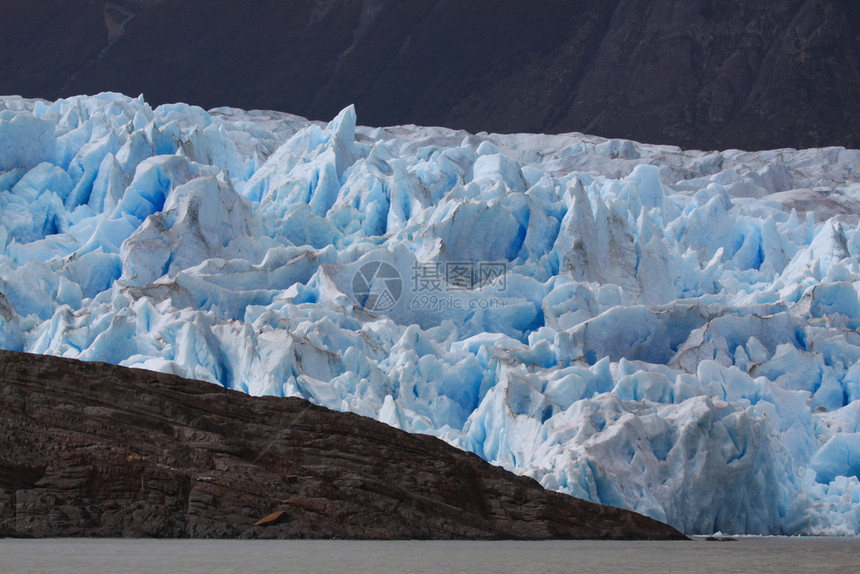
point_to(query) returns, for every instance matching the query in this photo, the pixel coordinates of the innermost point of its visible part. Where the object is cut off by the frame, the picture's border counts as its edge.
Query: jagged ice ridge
(669, 331)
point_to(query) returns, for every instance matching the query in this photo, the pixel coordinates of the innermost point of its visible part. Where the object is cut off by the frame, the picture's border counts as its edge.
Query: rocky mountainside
(748, 74)
(90, 449)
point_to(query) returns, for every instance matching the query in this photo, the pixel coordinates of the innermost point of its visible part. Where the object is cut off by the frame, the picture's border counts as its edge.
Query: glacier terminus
(673, 332)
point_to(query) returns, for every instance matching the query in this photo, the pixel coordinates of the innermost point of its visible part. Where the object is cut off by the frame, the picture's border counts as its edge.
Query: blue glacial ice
(670, 331)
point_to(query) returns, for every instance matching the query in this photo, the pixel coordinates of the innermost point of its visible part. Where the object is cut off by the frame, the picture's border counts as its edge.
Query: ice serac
(91, 449)
(668, 331)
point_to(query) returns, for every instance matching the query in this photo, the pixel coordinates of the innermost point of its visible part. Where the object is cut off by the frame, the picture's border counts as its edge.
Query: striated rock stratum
(91, 449)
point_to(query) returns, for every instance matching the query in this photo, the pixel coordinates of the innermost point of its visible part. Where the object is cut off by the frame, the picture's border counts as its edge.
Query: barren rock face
(748, 74)
(90, 449)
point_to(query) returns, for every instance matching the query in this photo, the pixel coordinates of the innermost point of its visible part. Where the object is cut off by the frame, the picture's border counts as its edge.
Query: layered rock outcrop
(91, 449)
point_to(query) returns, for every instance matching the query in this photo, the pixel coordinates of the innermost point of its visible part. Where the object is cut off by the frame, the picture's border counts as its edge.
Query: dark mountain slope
(697, 73)
(90, 449)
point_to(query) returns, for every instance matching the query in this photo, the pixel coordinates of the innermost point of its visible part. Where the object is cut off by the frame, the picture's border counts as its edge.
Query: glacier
(670, 331)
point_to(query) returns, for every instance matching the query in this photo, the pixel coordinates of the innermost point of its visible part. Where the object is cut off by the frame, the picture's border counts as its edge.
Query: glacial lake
(747, 554)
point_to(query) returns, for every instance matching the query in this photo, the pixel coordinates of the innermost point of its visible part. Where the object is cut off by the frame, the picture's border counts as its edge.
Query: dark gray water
(90, 556)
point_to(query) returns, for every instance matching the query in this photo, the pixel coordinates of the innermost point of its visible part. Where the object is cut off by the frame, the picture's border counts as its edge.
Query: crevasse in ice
(669, 331)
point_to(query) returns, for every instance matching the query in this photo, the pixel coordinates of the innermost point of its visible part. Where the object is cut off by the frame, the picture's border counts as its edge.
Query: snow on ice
(670, 331)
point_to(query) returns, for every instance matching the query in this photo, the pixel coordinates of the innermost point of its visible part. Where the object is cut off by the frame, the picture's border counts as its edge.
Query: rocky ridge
(91, 449)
